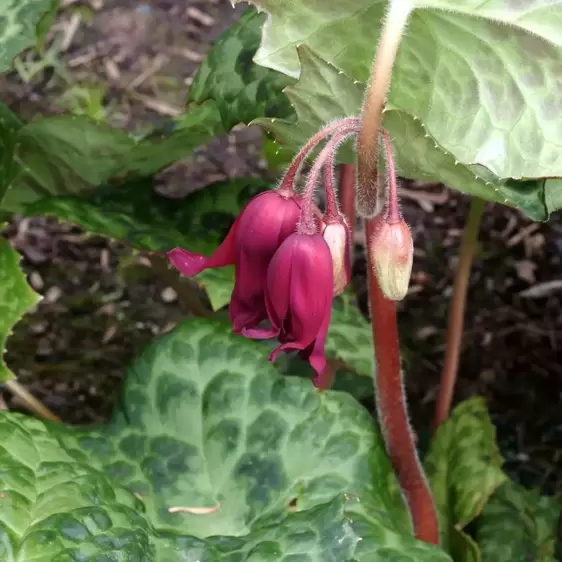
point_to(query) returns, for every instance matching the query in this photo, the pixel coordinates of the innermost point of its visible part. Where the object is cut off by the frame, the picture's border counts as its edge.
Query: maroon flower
(266, 221)
(298, 298)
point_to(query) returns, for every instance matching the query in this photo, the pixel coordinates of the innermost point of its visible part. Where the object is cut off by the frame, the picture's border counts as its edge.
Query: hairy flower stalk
(392, 409)
(392, 245)
(373, 105)
(288, 180)
(391, 401)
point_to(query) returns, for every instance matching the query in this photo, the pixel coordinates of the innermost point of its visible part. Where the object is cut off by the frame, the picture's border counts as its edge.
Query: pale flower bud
(392, 250)
(336, 235)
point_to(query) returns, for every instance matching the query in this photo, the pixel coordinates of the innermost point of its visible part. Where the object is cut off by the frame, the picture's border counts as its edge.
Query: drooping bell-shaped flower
(298, 298)
(336, 235)
(266, 221)
(392, 253)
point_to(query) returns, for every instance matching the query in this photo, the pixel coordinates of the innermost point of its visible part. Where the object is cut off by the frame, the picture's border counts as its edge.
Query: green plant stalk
(373, 105)
(392, 410)
(455, 326)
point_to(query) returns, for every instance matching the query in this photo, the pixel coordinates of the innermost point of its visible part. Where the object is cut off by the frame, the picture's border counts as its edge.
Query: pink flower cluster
(290, 259)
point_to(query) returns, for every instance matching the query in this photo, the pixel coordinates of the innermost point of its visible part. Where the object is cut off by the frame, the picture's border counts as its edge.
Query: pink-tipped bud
(336, 235)
(392, 250)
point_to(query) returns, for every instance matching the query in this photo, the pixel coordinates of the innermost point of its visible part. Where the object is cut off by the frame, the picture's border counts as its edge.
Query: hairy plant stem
(288, 181)
(381, 72)
(33, 404)
(391, 407)
(456, 313)
(307, 224)
(393, 210)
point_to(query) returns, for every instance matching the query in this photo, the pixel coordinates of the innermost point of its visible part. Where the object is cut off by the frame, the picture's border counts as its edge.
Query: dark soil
(141, 57)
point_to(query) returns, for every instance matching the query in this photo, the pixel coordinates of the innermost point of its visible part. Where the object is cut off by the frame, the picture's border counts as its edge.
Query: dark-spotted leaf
(55, 507)
(241, 89)
(463, 466)
(224, 459)
(518, 525)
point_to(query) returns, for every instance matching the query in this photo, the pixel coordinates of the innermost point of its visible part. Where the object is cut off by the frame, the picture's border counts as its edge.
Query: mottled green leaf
(136, 213)
(241, 89)
(72, 155)
(18, 21)
(54, 507)
(323, 94)
(248, 425)
(207, 422)
(483, 77)
(16, 297)
(360, 387)
(463, 465)
(518, 525)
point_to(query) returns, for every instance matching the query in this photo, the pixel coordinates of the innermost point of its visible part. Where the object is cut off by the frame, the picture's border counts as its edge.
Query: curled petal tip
(259, 333)
(187, 263)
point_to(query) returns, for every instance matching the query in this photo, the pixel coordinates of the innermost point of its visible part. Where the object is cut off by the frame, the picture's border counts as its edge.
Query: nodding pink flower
(336, 235)
(266, 221)
(298, 298)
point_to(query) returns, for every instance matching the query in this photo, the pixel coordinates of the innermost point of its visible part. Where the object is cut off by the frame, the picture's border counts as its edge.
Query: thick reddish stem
(347, 195)
(391, 408)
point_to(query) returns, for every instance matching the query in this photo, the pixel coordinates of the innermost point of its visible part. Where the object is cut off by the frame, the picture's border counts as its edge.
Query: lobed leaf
(324, 93)
(205, 423)
(482, 77)
(16, 297)
(240, 89)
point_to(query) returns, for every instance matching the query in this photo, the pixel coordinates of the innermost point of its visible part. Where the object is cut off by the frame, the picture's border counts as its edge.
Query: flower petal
(247, 305)
(260, 333)
(311, 288)
(190, 263)
(290, 346)
(278, 292)
(317, 355)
